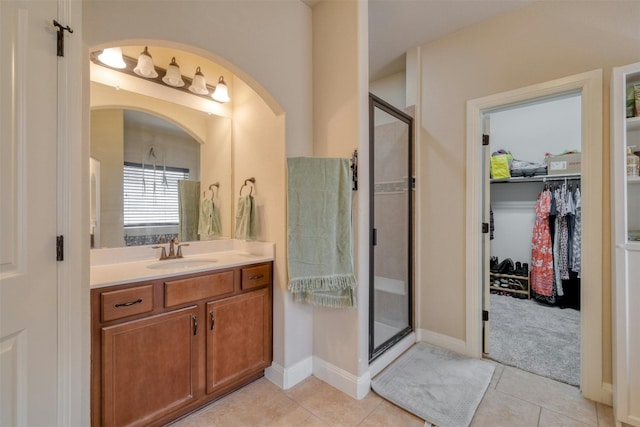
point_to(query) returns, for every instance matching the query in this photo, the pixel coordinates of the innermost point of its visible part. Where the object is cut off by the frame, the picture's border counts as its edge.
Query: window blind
(151, 194)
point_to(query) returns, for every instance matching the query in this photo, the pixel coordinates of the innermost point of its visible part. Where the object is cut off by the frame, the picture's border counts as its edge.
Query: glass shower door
(391, 201)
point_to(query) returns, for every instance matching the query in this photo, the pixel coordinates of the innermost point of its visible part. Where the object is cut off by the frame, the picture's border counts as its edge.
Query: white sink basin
(181, 263)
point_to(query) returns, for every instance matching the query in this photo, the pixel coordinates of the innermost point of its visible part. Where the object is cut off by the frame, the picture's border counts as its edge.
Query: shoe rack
(517, 286)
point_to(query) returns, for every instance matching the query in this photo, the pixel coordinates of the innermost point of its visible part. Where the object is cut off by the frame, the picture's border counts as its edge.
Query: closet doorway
(533, 292)
(391, 221)
(594, 323)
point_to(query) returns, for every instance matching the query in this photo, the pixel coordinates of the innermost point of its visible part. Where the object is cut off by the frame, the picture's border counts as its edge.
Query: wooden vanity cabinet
(148, 367)
(238, 338)
(163, 348)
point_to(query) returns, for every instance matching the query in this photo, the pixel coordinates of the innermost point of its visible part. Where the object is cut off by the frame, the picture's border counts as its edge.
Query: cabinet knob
(213, 319)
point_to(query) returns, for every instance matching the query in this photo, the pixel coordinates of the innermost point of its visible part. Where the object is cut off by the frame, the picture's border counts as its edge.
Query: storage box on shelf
(564, 164)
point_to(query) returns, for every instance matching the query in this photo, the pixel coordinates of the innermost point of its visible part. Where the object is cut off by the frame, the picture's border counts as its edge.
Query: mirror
(142, 146)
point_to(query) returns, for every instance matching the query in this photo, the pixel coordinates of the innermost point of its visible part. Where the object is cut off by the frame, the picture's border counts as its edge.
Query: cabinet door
(238, 338)
(148, 367)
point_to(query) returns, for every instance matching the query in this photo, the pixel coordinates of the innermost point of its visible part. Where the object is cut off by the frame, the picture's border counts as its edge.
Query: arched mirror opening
(156, 154)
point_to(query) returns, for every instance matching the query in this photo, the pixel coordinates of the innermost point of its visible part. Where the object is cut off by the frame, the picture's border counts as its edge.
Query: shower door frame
(376, 102)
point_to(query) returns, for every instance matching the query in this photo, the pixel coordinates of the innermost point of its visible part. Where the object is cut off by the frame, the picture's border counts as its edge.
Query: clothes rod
(537, 178)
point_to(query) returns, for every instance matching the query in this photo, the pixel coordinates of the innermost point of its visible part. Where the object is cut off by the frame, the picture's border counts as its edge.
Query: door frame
(589, 85)
(73, 273)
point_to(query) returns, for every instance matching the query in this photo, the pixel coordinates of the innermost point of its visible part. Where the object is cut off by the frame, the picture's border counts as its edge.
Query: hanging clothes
(563, 254)
(576, 264)
(541, 251)
(554, 220)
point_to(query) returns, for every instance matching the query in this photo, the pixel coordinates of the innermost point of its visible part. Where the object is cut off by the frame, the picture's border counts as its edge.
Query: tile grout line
(372, 410)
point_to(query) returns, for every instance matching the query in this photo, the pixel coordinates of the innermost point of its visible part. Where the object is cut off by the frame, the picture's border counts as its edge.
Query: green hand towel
(204, 222)
(209, 223)
(216, 225)
(188, 195)
(246, 218)
(319, 247)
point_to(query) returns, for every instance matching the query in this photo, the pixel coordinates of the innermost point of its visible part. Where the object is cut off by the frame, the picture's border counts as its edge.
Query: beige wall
(258, 152)
(538, 43)
(107, 146)
(340, 110)
(216, 166)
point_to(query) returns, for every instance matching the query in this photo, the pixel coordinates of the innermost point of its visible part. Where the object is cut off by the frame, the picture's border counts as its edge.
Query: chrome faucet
(173, 243)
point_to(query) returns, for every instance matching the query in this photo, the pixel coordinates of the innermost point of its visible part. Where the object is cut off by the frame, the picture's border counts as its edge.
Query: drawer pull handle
(259, 276)
(128, 304)
(213, 319)
(195, 324)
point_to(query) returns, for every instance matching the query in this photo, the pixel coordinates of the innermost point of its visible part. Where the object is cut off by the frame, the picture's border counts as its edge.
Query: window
(151, 194)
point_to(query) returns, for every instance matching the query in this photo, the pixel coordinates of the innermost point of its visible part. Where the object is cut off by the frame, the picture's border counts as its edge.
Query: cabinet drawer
(253, 277)
(126, 302)
(187, 290)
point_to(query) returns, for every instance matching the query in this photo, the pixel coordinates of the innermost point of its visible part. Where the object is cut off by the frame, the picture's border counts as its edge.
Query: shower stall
(391, 238)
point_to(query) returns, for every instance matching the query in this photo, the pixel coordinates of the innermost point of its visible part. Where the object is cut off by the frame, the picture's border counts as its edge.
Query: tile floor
(514, 398)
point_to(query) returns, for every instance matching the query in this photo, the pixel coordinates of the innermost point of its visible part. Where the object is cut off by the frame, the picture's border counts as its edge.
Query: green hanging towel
(188, 194)
(319, 246)
(246, 218)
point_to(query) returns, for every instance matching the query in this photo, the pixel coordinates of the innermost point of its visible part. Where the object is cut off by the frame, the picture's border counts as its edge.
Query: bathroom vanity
(168, 337)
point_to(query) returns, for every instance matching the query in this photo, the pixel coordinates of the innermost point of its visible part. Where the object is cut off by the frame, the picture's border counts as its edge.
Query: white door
(28, 197)
(486, 235)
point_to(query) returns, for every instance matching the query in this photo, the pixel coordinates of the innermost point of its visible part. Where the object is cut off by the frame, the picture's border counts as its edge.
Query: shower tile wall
(390, 194)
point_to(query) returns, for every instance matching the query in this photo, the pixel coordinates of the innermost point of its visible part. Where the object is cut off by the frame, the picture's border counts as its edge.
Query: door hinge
(61, 30)
(59, 248)
(485, 316)
(485, 228)
(485, 140)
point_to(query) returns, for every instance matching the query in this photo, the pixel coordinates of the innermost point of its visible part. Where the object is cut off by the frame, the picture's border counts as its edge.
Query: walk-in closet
(535, 236)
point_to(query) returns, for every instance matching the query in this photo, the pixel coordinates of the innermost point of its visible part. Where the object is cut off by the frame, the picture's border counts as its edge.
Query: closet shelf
(633, 179)
(633, 123)
(513, 291)
(537, 178)
(509, 276)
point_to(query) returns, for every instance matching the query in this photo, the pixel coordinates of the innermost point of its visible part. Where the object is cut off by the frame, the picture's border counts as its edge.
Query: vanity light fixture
(199, 84)
(112, 57)
(144, 67)
(221, 94)
(173, 76)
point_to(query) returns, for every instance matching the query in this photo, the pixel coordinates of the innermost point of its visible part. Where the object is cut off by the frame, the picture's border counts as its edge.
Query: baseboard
(289, 377)
(391, 354)
(346, 382)
(607, 394)
(444, 341)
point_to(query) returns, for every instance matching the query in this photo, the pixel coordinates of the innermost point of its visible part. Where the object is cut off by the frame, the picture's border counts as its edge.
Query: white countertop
(118, 266)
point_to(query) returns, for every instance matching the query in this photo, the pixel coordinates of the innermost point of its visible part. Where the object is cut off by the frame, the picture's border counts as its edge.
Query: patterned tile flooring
(514, 398)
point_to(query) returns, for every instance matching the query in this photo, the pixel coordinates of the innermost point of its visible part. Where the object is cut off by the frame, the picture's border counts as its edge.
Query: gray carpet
(537, 338)
(436, 385)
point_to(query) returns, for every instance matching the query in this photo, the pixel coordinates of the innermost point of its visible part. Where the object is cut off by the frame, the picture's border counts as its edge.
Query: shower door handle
(374, 237)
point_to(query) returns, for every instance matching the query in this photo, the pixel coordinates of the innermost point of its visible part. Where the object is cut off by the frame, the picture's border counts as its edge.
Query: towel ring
(252, 180)
(213, 192)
